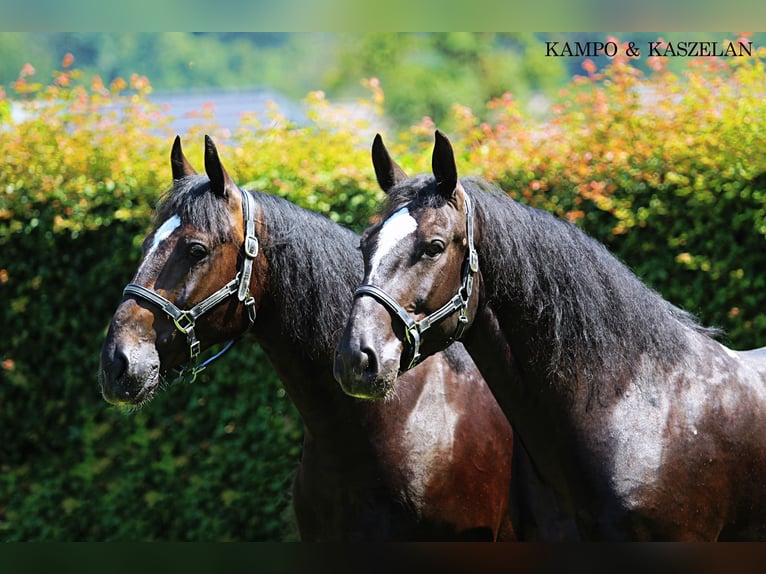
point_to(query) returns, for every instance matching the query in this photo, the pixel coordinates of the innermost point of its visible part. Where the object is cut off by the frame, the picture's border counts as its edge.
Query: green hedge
(667, 171)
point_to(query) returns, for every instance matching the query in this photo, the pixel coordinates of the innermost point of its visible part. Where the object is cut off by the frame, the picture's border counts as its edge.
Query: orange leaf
(589, 66)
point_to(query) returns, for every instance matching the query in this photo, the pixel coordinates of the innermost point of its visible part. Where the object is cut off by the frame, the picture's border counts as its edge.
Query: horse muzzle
(129, 376)
(363, 369)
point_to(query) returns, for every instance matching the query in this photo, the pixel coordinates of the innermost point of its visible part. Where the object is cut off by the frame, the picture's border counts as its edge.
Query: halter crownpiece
(185, 320)
(459, 303)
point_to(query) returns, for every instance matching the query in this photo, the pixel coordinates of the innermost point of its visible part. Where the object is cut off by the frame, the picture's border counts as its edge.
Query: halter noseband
(459, 303)
(185, 320)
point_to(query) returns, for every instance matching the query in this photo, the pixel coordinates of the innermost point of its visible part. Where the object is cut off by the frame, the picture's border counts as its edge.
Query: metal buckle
(194, 347)
(473, 260)
(251, 246)
(250, 306)
(184, 317)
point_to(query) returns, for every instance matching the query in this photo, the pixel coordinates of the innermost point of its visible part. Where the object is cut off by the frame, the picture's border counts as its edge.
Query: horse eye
(434, 248)
(197, 251)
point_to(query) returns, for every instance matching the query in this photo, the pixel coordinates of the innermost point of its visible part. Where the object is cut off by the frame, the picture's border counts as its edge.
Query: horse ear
(443, 165)
(387, 171)
(220, 181)
(178, 162)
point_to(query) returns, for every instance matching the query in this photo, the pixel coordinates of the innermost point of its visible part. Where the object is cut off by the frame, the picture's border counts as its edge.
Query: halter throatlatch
(185, 320)
(458, 304)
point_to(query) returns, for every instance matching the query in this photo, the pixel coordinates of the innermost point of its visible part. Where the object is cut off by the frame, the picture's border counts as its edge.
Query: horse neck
(564, 330)
(543, 415)
(506, 334)
(299, 315)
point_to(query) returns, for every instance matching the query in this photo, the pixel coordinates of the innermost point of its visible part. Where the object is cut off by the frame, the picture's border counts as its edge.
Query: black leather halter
(185, 320)
(458, 304)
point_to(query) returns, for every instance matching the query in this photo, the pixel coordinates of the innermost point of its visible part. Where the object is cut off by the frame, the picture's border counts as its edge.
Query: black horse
(644, 425)
(431, 463)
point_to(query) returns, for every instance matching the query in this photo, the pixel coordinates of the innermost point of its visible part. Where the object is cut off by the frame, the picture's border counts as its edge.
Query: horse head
(195, 286)
(420, 262)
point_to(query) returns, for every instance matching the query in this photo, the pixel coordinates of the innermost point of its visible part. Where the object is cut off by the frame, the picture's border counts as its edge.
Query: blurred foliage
(175, 60)
(424, 73)
(663, 167)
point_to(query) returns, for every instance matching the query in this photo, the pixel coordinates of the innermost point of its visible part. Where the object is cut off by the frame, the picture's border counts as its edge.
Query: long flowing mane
(594, 318)
(314, 266)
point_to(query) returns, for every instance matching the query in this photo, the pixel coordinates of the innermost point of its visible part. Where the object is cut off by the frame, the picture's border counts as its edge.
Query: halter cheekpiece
(458, 304)
(185, 320)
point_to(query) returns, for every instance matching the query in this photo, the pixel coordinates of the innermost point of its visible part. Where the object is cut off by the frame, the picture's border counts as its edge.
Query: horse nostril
(116, 368)
(369, 363)
(355, 364)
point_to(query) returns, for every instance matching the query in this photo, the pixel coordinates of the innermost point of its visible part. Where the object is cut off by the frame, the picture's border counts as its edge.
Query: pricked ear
(179, 165)
(387, 171)
(220, 181)
(443, 165)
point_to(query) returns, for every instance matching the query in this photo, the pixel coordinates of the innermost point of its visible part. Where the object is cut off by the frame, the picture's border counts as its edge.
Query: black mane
(593, 318)
(314, 265)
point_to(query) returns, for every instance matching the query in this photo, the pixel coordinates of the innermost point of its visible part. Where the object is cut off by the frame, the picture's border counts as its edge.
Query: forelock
(192, 200)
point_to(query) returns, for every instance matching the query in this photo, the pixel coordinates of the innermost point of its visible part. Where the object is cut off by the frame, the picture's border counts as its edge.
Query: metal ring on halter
(185, 320)
(459, 303)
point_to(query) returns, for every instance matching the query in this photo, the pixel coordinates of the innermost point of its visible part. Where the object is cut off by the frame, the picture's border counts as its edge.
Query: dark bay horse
(644, 425)
(431, 463)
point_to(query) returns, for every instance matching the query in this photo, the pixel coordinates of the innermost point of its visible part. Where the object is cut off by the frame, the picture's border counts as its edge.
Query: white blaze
(163, 232)
(396, 228)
